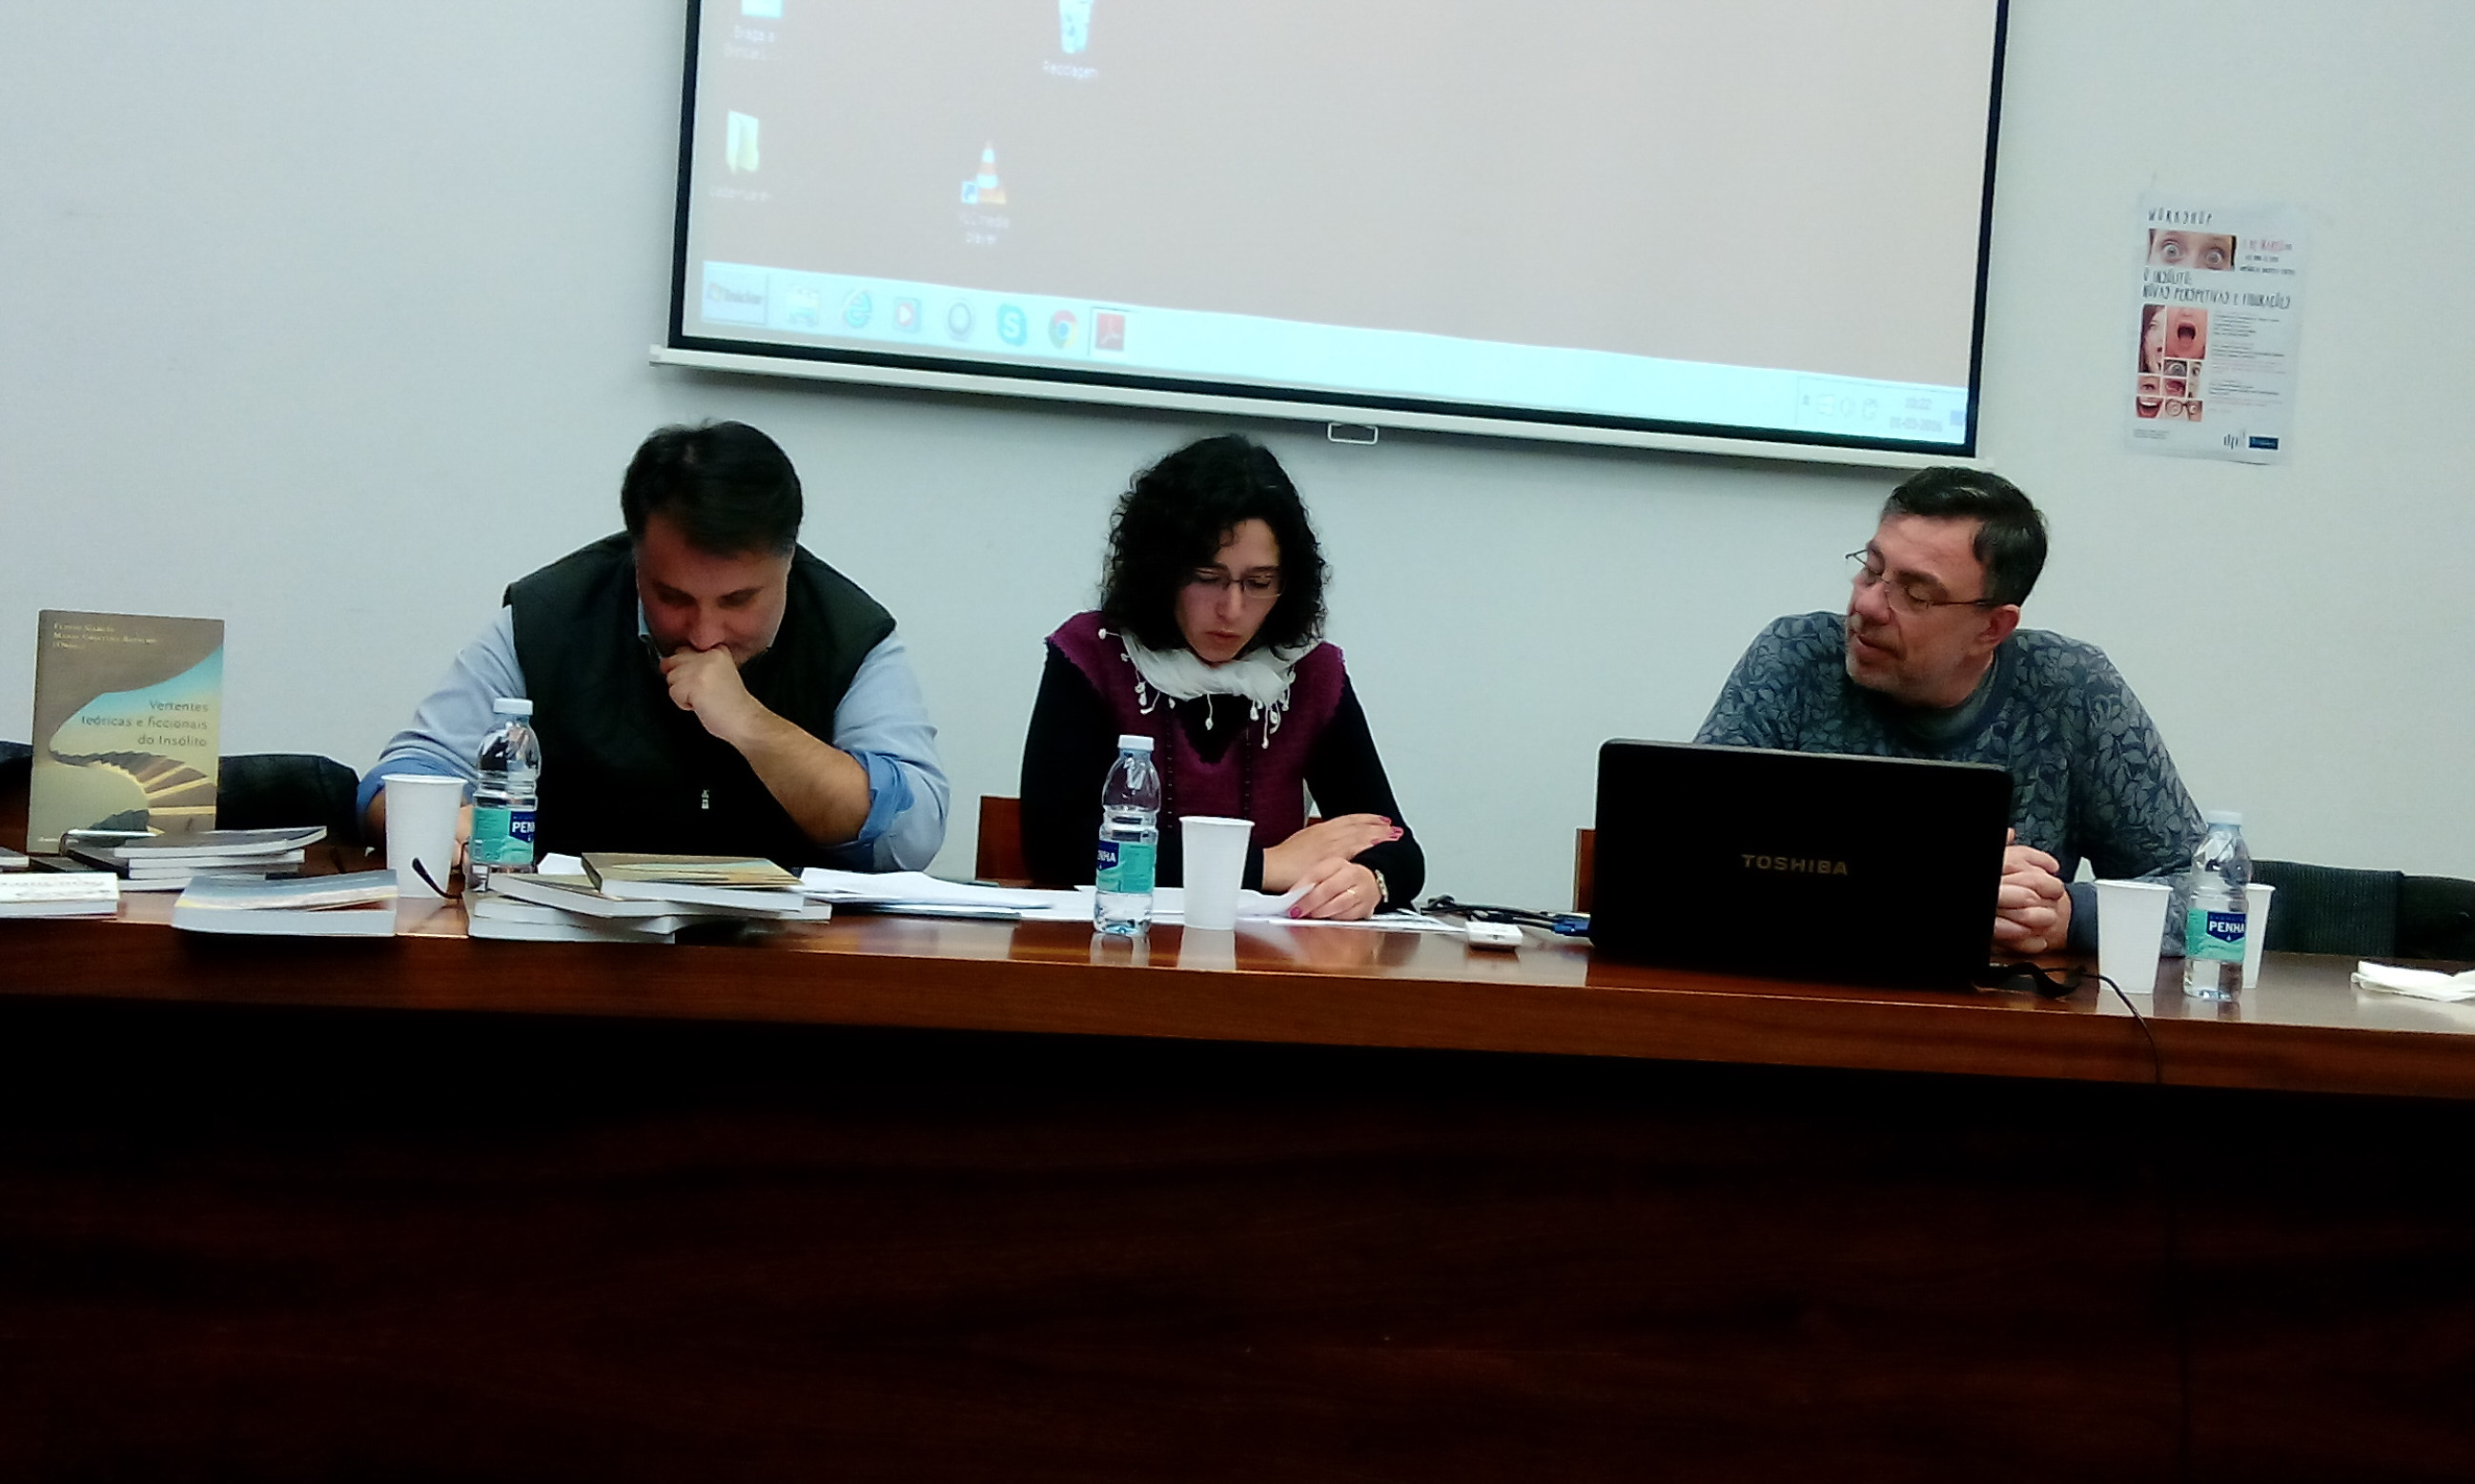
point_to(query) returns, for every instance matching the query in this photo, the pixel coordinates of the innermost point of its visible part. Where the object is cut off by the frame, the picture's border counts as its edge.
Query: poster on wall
(2220, 299)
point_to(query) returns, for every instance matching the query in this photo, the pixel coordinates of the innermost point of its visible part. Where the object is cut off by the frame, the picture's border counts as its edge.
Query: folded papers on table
(914, 892)
(2415, 984)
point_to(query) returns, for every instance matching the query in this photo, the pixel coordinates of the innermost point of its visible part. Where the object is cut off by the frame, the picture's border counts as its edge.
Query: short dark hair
(730, 489)
(2010, 534)
(1173, 519)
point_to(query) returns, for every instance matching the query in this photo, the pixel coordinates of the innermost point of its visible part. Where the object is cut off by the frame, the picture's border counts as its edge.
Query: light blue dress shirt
(882, 722)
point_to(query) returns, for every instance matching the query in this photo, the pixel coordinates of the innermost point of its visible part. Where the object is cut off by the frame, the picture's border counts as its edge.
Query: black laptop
(1798, 864)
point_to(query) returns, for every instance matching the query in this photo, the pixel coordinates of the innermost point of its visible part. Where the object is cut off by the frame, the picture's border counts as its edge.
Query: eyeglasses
(1261, 587)
(1912, 596)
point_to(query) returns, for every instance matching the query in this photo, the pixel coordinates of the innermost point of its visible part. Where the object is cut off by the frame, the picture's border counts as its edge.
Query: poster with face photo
(2211, 373)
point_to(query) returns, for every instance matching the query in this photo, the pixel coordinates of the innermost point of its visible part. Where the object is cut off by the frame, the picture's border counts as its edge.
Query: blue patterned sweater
(2090, 777)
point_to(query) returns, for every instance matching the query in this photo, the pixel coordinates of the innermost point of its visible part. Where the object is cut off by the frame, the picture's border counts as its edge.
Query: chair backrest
(1585, 867)
(2436, 918)
(999, 859)
(264, 790)
(17, 769)
(2330, 909)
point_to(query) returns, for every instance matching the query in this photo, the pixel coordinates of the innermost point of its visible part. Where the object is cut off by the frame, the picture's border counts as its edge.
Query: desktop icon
(803, 307)
(1014, 327)
(985, 189)
(1074, 25)
(958, 320)
(906, 316)
(1061, 329)
(761, 10)
(858, 309)
(1109, 330)
(735, 295)
(739, 145)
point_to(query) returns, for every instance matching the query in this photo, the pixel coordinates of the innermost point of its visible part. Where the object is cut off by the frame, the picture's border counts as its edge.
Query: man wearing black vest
(700, 682)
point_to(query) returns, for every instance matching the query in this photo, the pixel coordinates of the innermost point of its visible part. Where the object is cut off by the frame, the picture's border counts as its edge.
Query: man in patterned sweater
(1929, 661)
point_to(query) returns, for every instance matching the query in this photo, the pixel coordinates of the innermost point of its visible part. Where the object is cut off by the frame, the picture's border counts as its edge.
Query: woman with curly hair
(1209, 640)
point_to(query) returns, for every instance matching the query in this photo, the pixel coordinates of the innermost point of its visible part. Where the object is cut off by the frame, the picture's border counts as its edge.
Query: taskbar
(799, 309)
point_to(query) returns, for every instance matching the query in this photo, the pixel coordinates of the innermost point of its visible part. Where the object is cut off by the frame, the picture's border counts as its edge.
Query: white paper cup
(420, 810)
(2255, 929)
(1215, 866)
(2130, 924)
(1207, 948)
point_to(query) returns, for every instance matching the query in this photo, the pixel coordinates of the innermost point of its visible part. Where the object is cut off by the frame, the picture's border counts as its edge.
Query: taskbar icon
(1108, 332)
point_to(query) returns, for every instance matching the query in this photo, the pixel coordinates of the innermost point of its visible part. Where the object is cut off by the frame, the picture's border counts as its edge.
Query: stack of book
(45, 894)
(621, 898)
(168, 863)
(358, 905)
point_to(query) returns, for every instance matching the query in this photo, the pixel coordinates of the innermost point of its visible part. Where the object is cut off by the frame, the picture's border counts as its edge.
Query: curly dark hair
(1173, 519)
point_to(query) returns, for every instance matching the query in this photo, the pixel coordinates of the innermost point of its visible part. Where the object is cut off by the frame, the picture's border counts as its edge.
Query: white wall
(331, 319)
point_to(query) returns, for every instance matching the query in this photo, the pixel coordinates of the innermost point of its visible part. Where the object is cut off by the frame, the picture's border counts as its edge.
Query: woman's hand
(1341, 890)
(1292, 859)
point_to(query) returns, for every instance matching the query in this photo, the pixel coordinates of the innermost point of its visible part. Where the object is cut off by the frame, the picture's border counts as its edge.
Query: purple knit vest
(1277, 762)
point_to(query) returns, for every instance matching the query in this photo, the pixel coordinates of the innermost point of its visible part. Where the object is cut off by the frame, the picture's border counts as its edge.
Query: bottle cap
(512, 706)
(2225, 816)
(1130, 742)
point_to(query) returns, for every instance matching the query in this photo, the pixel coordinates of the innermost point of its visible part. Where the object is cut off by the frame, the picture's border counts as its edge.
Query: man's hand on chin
(823, 789)
(707, 683)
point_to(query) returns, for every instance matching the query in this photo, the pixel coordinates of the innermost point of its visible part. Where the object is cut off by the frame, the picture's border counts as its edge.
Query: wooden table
(2305, 1029)
(889, 1198)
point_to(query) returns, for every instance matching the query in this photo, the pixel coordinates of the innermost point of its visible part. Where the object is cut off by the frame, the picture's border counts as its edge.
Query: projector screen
(1758, 220)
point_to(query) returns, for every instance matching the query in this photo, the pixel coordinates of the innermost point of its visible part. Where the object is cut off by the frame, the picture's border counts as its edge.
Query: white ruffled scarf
(1263, 677)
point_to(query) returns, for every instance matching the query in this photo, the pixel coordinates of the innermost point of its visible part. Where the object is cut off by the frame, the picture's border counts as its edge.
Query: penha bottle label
(502, 837)
(1124, 865)
(2219, 936)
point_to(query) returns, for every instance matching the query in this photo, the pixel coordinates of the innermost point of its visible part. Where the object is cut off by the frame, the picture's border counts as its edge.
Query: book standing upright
(127, 711)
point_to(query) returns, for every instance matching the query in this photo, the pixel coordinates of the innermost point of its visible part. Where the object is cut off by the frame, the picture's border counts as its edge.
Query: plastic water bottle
(504, 799)
(2217, 923)
(1130, 805)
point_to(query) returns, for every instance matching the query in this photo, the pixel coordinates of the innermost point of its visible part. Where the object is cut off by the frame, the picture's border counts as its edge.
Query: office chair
(999, 861)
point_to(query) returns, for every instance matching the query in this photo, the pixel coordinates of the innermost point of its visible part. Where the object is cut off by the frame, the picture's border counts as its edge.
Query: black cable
(2178, 1319)
(1570, 924)
(432, 882)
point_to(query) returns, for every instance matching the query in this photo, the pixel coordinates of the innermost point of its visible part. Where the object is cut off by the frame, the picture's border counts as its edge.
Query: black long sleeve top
(1073, 743)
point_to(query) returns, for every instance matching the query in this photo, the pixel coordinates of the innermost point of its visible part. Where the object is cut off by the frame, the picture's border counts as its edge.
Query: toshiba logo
(1801, 865)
